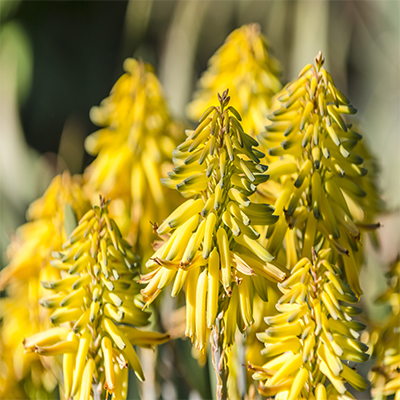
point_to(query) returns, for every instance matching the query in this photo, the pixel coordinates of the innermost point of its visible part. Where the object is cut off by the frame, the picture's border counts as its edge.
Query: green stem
(219, 358)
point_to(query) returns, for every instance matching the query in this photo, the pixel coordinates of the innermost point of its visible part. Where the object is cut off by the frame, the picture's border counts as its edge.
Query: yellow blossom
(95, 306)
(29, 254)
(318, 178)
(245, 66)
(135, 139)
(307, 342)
(211, 246)
(384, 375)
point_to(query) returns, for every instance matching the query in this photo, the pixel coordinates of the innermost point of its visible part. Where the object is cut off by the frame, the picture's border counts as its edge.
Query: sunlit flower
(51, 219)
(135, 140)
(245, 66)
(94, 306)
(385, 374)
(211, 245)
(308, 341)
(318, 178)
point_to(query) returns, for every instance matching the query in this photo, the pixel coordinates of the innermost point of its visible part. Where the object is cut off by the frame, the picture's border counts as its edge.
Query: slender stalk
(219, 358)
(97, 392)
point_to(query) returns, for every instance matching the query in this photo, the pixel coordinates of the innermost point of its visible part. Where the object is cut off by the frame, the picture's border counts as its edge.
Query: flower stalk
(385, 374)
(313, 334)
(243, 64)
(321, 177)
(95, 305)
(135, 139)
(50, 219)
(211, 247)
(219, 358)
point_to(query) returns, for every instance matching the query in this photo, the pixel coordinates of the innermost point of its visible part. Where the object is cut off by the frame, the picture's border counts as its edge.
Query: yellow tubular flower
(130, 149)
(319, 175)
(384, 375)
(307, 341)
(211, 245)
(372, 204)
(243, 64)
(95, 303)
(51, 217)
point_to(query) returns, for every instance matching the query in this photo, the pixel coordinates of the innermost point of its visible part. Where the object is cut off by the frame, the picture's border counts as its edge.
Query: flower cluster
(135, 140)
(51, 219)
(318, 170)
(244, 65)
(307, 341)
(273, 249)
(95, 304)
(211, 239)
(385, 374)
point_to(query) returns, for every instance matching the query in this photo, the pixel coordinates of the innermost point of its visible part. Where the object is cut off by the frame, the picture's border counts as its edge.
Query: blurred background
(58, 59)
